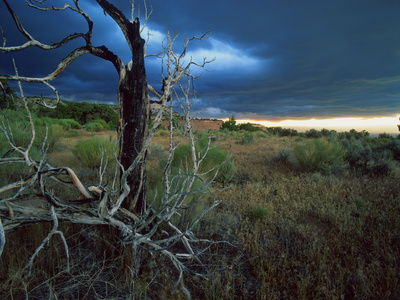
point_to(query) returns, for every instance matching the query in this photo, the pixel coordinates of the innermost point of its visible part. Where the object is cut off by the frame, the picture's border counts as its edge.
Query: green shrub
(81, 112)
(283, 156)
(90, 151)
(230, 124)
(313, 133)
(73, 133)
(358, 154)
(370, 156)
(102, 122)
(14, 172)
(69, 124)
(22, 134)
(179, 175)
(249, 127)
(381, 168)
(260, 212)
(247, 138)
(353, 134)
(318, 155)
(394, 147)
(100, 125)
(54, 133)
(94, 127)
(261, 134)
(215, 157)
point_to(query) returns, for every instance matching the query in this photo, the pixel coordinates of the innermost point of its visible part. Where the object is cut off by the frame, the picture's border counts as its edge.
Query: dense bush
(318, 155)
(283, 156)
(312, 133)
(353, 134)
(67, 124)
(366, 159)
(14, 172)
(247, 138)
(215, 157)
(358, 154)
(230, 124)
(21, 131)
(82, 112)
(90, 152)
(98, 125)
(279, 131)
(394, 147)
(94, 127)
(249, 127)
(181, 167)
(54, 133)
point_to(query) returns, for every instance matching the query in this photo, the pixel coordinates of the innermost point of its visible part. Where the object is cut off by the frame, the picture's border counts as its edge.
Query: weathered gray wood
(2, 237)
(123, 207)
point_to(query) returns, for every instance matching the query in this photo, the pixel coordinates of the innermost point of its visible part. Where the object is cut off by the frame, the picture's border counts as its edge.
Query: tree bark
(134, 112)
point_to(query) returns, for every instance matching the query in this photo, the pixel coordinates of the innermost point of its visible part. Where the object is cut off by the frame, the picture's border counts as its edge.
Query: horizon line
(372, 125)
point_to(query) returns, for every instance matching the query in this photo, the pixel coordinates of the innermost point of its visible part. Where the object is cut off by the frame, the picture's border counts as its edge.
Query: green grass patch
(318, 155)
(90, 152)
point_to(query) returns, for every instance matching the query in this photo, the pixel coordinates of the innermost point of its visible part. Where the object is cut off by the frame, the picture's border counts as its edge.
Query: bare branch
(47, 239)
(171, 216)
(101, 51)
(31, 40)
(2, 237)
(124, 24)
(4, 37)
(146, 16)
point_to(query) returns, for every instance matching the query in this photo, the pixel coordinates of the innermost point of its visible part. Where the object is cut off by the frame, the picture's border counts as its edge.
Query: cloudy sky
(275, 59)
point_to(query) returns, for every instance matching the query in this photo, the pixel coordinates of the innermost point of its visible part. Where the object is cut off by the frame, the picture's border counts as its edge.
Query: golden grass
(318, 237)
(321, 237)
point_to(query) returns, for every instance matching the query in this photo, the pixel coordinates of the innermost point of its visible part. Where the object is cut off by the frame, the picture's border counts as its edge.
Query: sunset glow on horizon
(372, 125)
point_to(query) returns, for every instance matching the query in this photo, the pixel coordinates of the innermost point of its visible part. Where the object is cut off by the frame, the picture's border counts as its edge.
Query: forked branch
(182, 191)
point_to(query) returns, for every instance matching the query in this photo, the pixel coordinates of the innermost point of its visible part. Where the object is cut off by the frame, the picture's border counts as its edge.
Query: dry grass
(296, 235)
(319, 237)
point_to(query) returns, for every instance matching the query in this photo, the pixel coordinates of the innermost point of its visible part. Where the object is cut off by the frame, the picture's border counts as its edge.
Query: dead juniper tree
(123, 206)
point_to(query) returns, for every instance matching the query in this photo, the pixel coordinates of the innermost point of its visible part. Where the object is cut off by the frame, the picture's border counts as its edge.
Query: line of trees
(232, 126)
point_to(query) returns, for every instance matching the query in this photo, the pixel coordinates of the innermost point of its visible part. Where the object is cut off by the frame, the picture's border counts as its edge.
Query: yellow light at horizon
(377, 124)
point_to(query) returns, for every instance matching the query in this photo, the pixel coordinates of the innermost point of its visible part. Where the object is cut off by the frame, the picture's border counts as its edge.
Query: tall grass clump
(247, 138)
(318, 155)
(260, 212)
(181, 164)
(14, 172)
(21, 132)
(66, 124)
(215, 157)
(91, 151)
(99, 125)
(54, 133)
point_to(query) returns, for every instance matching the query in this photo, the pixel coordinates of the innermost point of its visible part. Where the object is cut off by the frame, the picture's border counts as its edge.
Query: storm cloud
(273, 59)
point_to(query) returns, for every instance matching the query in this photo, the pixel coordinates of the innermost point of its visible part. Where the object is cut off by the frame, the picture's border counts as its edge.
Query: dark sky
(275, 59)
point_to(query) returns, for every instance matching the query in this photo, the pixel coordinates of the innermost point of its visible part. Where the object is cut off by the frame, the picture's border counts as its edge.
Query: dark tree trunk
(134, 112)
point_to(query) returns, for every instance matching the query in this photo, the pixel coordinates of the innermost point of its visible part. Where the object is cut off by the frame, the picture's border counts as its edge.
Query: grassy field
(293, 234)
